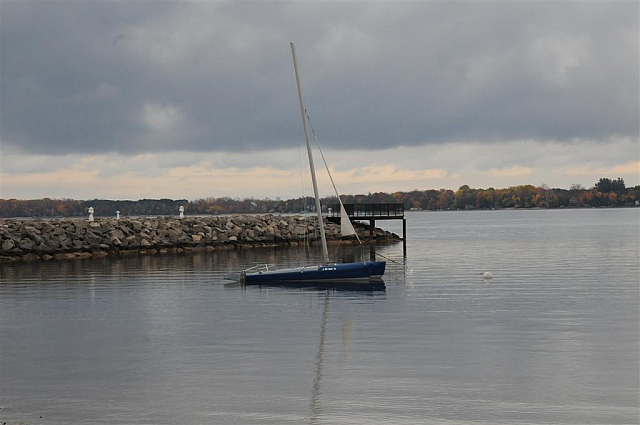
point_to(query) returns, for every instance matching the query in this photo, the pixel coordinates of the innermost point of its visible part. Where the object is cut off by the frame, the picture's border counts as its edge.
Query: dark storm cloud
(121, 77)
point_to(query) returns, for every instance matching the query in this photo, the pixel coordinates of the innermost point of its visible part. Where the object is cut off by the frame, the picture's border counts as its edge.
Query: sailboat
(335, 273)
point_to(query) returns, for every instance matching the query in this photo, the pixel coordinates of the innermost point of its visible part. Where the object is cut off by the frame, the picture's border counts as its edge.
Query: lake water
(553, 338)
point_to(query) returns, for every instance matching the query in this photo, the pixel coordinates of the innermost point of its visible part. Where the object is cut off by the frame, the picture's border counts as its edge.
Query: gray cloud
(120, 77)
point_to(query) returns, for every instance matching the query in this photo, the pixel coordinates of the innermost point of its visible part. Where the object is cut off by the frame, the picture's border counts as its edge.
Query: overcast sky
(129, 100)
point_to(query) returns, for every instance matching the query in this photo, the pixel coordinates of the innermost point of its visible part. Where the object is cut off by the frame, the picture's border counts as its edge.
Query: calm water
(552, 339)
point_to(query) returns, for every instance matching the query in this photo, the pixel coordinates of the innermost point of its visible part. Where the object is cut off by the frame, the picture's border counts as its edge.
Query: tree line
(605, 193)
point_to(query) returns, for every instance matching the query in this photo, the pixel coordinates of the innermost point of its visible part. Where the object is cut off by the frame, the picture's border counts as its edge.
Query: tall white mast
(325, 251)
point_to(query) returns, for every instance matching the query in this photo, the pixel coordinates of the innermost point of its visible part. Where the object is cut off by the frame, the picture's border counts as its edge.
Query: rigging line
(326, 166)
(380, 255)
(387, 258)
(315, 136)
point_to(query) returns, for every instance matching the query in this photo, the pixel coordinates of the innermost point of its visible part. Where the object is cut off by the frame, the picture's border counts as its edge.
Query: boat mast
(325, 251)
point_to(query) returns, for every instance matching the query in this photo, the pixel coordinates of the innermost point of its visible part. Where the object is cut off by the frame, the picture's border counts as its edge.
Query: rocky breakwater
(62, 239)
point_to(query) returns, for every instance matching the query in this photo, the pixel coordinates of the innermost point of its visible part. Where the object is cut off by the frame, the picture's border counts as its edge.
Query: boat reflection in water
(354, 285)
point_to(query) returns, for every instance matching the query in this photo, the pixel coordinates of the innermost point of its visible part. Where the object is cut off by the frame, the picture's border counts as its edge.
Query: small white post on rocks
(117, 215)
(181, 209)
(90, 213)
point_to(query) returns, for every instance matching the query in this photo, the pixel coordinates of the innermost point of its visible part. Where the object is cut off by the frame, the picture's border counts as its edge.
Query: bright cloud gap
(183, 175)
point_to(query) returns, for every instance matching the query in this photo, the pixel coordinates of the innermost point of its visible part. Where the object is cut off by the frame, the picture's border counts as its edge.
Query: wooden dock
(372, 212)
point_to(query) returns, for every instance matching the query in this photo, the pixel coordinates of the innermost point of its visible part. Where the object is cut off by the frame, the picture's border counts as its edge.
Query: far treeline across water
(605, 193)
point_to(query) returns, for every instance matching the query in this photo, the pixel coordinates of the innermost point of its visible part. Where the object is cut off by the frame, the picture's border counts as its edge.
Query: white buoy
(487, 275)
(181, 209)
(90, 213)
(117, 215)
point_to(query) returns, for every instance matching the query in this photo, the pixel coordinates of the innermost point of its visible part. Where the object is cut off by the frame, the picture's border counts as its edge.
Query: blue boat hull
(349, 272)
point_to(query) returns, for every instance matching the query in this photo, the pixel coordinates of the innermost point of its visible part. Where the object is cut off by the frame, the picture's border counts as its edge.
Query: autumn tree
(606, 185)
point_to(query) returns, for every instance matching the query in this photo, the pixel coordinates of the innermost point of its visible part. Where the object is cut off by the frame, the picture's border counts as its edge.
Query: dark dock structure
(372, 212)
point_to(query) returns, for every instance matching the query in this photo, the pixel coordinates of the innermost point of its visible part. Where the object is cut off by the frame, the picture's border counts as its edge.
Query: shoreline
(285, 214)
(51, 239)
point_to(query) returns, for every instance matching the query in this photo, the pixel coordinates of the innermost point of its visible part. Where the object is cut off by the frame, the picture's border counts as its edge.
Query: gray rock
(64, 256)
(35, 237)
(116, 233)
(92, 238)
(31, 230)
(26, 244)
(95, 226)
(29, 257)
(8, 244)
(78, 237)
(14, 237)
(132, 242)
(43, 248)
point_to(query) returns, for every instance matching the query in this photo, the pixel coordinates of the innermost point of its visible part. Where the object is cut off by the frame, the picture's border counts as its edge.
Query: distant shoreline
(586, 208)
(37, 239)
(285, 214)
(605, 193)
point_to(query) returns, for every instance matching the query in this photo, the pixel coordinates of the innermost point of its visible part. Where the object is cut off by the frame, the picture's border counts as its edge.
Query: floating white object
(117, 215)
(181, 209)
(90, 213)
(487, 275)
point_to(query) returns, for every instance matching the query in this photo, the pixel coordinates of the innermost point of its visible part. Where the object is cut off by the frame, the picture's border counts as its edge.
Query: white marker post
(181, 211)
(117, 215)
(90, 213)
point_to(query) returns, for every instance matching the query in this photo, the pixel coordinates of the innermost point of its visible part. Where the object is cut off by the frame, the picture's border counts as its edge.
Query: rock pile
(59, 239)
